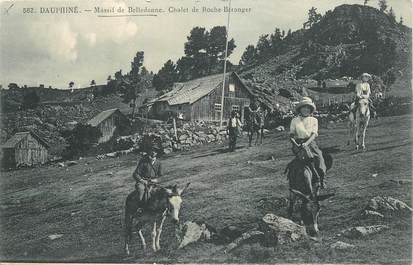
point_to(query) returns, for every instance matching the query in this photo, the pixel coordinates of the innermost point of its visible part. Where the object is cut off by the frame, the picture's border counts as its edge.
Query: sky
(54, 49)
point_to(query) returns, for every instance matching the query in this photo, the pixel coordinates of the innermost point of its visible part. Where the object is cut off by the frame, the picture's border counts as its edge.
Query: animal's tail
(328, 159)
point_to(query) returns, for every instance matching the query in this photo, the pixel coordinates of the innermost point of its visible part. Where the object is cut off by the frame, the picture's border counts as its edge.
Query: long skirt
(319, 162)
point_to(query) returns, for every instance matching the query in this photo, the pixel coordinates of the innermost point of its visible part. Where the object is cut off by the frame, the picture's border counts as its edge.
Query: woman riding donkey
(362, 91)
(303, 132)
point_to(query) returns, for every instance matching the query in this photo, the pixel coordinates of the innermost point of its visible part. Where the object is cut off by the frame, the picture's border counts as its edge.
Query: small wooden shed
(110, 123)
(24, 149)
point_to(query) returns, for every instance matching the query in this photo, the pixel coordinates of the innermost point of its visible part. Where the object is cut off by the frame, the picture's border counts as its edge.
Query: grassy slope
(84, 202)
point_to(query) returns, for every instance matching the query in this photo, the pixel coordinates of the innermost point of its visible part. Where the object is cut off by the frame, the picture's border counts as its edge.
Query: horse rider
(234, 127)
(146, 175)
(362, 91)
(303, 132)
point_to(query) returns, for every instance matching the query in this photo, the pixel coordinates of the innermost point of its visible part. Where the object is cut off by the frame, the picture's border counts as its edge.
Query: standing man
(234, 126)
(146, 175)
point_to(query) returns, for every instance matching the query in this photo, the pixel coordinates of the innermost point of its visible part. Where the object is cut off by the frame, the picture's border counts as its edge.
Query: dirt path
(83, 203)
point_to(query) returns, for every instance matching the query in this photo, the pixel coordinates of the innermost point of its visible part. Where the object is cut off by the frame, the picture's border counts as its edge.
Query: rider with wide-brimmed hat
(146, 174)
(362, 90)
(303, 132)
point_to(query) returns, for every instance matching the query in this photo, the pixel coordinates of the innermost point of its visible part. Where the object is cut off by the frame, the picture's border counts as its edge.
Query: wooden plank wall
(30, 152)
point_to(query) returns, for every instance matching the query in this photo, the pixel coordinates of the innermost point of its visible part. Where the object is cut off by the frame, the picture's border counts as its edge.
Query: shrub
(80, 140)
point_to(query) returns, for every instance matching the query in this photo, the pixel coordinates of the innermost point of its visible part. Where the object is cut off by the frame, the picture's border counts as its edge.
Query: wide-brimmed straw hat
(366, 74)
(306, 101)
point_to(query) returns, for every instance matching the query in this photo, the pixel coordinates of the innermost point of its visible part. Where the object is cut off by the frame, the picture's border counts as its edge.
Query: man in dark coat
(234, 127)
(146, 175)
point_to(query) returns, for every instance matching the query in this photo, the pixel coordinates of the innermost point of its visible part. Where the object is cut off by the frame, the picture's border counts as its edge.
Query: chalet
(110, 123)
(24, 149)
(200, 99)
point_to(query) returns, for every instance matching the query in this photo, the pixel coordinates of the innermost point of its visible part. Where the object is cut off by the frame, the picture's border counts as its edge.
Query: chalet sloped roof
(191, 91)
(18, 137)
(95, 121)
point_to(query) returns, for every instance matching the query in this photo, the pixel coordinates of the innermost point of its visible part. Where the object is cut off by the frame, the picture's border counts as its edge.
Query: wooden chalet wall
(208, 107)
(237, 100)
(29, 152)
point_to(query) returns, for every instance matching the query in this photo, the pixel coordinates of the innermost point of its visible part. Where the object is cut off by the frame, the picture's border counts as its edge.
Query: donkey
(162, 202)
(358, 123)
(255, 124)
(302, 185)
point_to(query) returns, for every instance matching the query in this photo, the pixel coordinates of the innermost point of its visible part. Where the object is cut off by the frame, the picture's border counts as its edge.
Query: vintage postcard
(206, 131)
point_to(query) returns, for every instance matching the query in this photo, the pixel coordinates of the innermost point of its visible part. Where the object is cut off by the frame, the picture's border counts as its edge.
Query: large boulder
(387, 204)
(279, 230)
(363, 231)
(193, 232)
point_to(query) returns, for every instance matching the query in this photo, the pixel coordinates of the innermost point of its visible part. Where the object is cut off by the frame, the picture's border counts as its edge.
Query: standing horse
(358, 122)
(255, 124)
(162, 202)
(302, 185)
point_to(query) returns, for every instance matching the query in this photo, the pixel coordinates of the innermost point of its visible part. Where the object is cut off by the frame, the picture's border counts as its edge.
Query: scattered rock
(112, 155)
(384, 203)
(368, 213)
(247, 237)
(402, 181)
(71, 163)
(279, 230)
(280, 128)
(56, 236)
(339, 245)
(363, 231)
(167, 150)
(192, 232)
(230, 233)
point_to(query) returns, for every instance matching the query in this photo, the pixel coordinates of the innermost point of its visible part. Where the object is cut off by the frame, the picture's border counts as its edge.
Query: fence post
(176, 134)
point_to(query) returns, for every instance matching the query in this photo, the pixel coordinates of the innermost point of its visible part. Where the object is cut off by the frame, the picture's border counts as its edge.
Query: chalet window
(231, 87)
(217, 107)
(235, 107)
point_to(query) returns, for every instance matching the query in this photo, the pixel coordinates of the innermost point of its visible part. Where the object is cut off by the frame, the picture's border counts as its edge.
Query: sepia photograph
(206, 131)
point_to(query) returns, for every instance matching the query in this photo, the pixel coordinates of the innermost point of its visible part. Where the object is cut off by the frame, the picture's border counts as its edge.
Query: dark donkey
(161, 203)
(255, 124)
(303, 185)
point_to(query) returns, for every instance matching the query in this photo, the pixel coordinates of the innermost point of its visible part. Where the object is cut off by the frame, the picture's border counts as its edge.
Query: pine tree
(392, 15)
(248, 56)
(401, 20)
(166, 76)
(313, 18)
(382, 5)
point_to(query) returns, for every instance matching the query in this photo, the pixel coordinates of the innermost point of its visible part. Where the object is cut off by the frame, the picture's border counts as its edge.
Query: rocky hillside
(57, 110)
(347, 41)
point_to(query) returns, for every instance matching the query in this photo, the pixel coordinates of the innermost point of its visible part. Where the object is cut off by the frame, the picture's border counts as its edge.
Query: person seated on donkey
(362, 91)
(303, 132)
(146, 175)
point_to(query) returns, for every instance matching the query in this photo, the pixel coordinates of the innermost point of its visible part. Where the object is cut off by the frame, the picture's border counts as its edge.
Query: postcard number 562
(28, 10)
